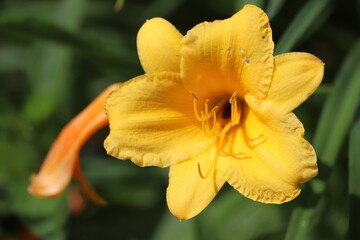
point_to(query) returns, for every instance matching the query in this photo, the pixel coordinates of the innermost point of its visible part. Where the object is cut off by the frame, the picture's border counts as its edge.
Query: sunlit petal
(296, 77)
(158, 44)
(235, 54)
(62, 159)
(268, 158)
(193, 185)
(152, 122)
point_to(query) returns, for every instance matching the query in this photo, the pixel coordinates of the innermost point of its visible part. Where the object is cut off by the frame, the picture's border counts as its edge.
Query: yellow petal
(267, 157)
(192, 185)
(61, 161)
(235, 54)
(158, 44)
(152, 122)
(296, 77)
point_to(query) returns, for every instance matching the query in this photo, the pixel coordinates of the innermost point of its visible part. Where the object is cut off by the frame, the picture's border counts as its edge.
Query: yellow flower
(216, 106)
(62, 161)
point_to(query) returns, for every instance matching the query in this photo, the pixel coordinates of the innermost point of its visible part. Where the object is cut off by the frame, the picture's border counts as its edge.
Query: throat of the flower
(221, 118)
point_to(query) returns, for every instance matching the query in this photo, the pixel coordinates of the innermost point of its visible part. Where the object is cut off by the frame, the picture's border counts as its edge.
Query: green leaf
(339, 109)
(300, 223)
(49, 74)
(334, 124)
(239, 4)
(354, 181)
(273, 7)
(161, 8)
(310, 17)
(118, 5)
(354, 163)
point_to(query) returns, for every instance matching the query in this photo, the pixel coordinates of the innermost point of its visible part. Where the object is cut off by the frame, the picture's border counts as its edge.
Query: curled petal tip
(62, 161)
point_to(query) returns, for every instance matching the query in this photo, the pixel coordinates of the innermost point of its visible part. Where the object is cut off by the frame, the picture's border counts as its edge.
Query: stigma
(217, 119)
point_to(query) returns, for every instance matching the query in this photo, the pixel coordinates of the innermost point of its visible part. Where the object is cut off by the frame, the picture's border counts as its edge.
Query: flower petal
(89, 191)
(158, 44)
(296, 76)
(61, 161)
(192, 185)
(235, 54)
(267, 158)
(152, 122)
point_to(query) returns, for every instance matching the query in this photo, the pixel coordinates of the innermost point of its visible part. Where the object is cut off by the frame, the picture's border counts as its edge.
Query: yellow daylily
(216, 106)
(62, 160)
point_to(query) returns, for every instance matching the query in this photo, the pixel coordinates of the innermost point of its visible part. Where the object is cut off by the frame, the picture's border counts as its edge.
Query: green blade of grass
(354, 181)
(335, 121)
(354, 163)
(339, 109)
(239, 4)
(312, 15)
(273, 7)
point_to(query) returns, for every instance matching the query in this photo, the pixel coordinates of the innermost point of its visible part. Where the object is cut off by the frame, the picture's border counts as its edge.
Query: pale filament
(205, 116)
(213, 161)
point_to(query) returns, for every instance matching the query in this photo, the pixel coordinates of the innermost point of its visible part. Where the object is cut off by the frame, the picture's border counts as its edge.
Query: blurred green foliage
(57, 55)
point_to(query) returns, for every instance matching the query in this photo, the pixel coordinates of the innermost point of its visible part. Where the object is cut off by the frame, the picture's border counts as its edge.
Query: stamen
(211, 167)
(215, 127)
(200, 173)
(213, 162)
(205, 116)
(235, 110)
(223, 132)
(195, 108)
(207, 109)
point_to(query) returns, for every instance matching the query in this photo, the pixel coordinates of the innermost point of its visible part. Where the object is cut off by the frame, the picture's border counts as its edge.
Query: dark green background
(56, 56)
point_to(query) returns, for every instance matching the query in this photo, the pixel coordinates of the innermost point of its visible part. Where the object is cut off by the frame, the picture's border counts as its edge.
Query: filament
(235, 111)
(211, 124)
(195, 98)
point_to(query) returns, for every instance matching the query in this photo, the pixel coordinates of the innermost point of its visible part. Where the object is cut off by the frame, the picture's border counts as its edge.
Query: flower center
(221, 118)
